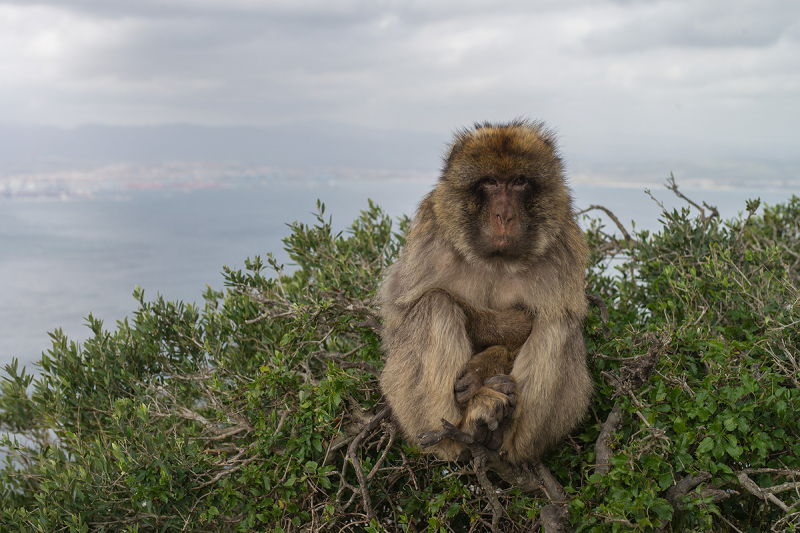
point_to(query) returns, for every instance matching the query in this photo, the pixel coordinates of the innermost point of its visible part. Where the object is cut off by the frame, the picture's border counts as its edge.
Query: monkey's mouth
(490, 243)
(502, 242)
(505, 246)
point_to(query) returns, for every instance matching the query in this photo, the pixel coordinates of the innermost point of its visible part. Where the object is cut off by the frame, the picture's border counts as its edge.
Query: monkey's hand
(490, 410)
(493, 361)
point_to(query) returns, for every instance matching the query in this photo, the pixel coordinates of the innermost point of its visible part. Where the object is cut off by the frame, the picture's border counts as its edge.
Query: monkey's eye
(520, 183)
(488, 183)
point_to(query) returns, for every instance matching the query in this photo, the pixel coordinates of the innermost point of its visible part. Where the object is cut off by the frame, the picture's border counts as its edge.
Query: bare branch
(628, 239)
(782, 487)
(671, 185)
(555, 519)
(750, 486)
(684, 487)
(379, 462)
(497, 509)
(555, 492)
(602, 448)
(353, 455)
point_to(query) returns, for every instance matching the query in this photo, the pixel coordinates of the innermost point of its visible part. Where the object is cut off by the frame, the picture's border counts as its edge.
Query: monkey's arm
(553, 387)
(426, 350)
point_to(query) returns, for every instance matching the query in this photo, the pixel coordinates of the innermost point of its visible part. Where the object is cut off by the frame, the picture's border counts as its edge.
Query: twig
(352, 454)
(628, 239)
(751, 209)
(409, 470)
(782, 487)
(602, 448)
(392, 436)
(231, 470)
(497, 509)
(637, 370)
(671, 185)
(361, 365)
(598, 302)
(361, 308)
(729, 523)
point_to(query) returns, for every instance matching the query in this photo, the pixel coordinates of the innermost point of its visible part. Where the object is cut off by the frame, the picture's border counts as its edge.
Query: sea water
(63, 259)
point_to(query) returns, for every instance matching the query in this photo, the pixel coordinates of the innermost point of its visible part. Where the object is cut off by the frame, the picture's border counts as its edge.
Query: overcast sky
(707, 79)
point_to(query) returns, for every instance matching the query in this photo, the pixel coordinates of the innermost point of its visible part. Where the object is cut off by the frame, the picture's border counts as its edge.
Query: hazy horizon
(94, 157)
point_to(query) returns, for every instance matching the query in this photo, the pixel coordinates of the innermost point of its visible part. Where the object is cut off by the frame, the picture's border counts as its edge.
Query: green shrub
(252, 412)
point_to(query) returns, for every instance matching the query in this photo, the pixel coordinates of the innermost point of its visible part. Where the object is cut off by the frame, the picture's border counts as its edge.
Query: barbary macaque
(483, 312)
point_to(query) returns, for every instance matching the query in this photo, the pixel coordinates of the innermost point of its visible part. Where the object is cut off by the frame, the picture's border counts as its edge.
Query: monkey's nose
(504, 220)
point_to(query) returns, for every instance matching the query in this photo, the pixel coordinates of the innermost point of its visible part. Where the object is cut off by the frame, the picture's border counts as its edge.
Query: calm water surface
(60, 260)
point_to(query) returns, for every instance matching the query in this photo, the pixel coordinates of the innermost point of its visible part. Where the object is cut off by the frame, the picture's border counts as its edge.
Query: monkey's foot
(466, 387)
(490, 410)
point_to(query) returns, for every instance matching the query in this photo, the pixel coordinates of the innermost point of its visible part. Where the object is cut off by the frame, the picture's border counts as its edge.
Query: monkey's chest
(482, 291)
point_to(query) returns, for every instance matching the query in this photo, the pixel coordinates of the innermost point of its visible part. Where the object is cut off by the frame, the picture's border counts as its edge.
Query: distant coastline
(187, 176)
(184, 176)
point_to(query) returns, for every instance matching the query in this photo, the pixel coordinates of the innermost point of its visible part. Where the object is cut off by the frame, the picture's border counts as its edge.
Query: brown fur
(453, 293)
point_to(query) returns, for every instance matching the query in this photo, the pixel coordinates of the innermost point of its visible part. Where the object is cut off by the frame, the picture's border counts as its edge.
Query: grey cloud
(687, 25)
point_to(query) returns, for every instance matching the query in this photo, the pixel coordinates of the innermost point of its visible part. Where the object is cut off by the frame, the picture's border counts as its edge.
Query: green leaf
(706, 445)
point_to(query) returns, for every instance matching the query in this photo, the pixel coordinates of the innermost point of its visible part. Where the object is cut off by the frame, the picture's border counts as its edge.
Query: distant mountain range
(35, 149)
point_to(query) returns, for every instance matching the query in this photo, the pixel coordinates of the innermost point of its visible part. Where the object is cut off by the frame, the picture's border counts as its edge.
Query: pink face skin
(504, 194)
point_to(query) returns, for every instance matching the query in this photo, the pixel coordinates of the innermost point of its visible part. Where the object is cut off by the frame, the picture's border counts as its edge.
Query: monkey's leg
(426, 352)
(484, 365)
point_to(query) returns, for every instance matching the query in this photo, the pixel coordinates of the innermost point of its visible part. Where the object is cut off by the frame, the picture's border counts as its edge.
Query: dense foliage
(253, 411)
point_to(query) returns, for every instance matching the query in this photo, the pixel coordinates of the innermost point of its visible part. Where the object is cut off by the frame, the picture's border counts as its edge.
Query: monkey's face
(502, 217)
(502, 195)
